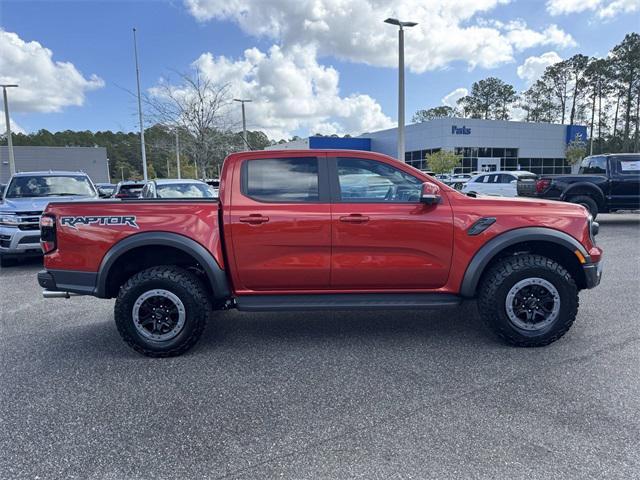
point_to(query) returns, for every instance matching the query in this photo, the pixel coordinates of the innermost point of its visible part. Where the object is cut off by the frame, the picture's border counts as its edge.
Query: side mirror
(430, 194)
(513, 182)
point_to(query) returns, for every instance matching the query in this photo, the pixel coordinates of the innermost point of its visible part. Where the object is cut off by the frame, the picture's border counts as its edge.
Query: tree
(537, 102)
(626, 59)
(199, 109)
(443, 111)
(576, 151)
(443, 161)
(576, 67)
(489, 98)
(556, 76)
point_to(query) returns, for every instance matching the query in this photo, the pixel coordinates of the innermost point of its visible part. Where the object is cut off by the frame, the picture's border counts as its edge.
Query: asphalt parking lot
(333, 395)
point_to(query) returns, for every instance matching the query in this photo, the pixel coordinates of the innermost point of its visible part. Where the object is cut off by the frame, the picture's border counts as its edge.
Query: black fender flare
(591, 189)
(216, 276)
(493, 247)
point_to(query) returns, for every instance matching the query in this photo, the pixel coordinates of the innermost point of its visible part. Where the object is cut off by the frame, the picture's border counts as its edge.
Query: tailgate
(526, 187)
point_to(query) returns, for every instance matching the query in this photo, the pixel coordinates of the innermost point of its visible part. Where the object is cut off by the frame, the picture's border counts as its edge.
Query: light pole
(244, 122)
(395, 21)
(143, 150)
(178, 153)
(12, 161)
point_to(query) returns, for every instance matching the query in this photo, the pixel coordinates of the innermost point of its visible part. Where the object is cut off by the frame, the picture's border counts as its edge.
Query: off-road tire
(186, 286)
(587, 202)
(496, 284)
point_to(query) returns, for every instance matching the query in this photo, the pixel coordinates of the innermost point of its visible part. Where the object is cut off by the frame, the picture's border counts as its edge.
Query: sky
(310, 66)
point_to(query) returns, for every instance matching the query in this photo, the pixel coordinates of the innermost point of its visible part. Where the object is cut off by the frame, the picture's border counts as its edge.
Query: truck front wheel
(162, 311)
(528, 300)
(587, 202)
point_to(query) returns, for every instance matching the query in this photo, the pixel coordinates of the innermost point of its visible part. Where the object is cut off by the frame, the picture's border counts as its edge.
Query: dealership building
(484, 145)
(90, 160)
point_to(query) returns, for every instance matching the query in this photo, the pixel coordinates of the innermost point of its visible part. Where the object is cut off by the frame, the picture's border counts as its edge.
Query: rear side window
(594, 165)
(282, 180)
(629, 165)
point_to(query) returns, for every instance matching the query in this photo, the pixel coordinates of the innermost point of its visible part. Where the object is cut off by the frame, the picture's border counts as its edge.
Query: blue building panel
(340, 143)
(576, 131)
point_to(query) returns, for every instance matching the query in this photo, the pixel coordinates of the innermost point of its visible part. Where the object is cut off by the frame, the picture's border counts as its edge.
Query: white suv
(502, 183)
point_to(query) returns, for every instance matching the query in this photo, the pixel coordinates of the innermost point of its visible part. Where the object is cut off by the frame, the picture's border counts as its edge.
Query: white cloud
(451, 98)
(602, 8)
(15, 128)
(533, 67)
(291, 92)
(45, 85)
(354, 29)
(523, 38)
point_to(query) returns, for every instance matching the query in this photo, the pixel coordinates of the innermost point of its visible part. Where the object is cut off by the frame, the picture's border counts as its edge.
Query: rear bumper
(83, 283)
(593, 274)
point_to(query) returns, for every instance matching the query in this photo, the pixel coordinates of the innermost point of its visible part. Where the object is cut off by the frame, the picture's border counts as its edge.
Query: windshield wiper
(62, 195)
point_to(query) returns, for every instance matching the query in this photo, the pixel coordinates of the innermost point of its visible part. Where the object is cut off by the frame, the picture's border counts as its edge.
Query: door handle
(254, 219)
(354, 218)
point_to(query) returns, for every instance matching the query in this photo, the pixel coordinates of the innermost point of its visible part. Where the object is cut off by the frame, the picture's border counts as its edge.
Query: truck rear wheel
(587, 202)
(528, 300)
(162, 311)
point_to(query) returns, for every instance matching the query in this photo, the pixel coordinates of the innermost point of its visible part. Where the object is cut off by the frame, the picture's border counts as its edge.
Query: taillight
(48, 233)
(542, 185)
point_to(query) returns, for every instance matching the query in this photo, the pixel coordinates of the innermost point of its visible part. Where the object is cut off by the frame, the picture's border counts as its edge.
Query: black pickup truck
(604, 183)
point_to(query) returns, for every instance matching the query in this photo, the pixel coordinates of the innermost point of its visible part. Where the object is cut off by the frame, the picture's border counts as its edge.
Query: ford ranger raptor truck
(316, 230)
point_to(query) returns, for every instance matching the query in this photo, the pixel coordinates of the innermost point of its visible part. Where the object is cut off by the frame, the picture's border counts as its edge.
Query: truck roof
(43, 173)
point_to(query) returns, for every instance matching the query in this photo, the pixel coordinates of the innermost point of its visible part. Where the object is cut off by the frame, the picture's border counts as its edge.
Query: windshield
(50, 186)
(184, 190)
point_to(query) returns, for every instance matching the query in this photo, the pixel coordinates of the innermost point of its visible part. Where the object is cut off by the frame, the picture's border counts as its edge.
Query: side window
(505, 178)
(363, 180)
(629, 165)
(283, 180)
(594, 165)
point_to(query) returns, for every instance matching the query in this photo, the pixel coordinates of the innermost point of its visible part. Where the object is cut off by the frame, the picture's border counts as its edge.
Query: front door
(625, 181)
(383, 237)
(281, 224)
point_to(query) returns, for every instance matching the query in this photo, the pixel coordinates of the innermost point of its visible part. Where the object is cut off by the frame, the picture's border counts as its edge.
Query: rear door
(280, 222)
(384, 238)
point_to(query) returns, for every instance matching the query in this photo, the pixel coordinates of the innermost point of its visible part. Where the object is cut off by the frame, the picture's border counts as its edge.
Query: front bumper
(16, 242)
(593, 274)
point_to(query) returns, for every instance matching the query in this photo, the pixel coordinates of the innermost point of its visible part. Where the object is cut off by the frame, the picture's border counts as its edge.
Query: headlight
(8, 219)
(594, 227)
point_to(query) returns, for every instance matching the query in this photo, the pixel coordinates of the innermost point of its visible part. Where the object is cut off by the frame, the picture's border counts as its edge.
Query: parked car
(604, 183)
(128, 189)
(214, 183)
(283, 237)
(185, 188)
(457, 180)
(444, 177)
(26, 196)
(501, 183)
(105, 190)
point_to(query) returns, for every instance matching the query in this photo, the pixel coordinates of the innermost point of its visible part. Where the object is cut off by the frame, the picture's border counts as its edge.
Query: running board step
(354, 301)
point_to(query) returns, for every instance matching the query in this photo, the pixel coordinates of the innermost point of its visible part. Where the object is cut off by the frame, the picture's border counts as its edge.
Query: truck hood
(531, 204)
(33, 204)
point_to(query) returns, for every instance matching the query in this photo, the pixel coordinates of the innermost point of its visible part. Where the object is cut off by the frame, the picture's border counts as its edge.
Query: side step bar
(354, 301)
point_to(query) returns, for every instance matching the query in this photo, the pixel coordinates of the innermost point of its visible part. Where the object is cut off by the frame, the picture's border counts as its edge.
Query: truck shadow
(249, 334)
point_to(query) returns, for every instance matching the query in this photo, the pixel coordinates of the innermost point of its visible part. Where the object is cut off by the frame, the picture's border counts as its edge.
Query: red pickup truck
(316, 230)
